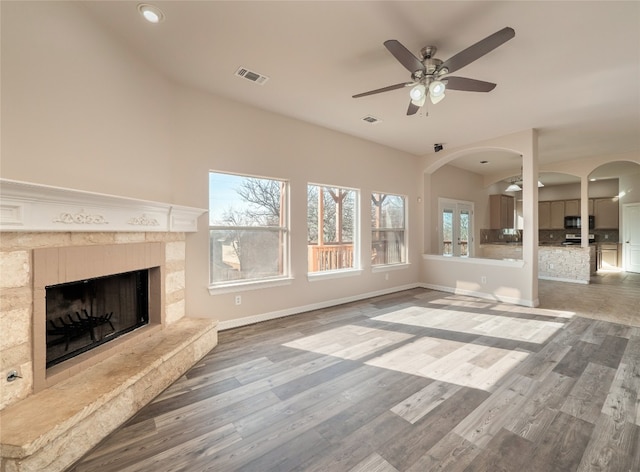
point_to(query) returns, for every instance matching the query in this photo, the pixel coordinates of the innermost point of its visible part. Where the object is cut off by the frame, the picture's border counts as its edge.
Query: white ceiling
(572, 71)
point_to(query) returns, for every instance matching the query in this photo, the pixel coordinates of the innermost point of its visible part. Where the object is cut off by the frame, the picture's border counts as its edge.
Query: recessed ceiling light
(151, 13)
(592, 180)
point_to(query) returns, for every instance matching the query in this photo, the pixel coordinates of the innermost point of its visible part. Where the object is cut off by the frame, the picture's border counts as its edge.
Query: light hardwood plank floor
(414, 381)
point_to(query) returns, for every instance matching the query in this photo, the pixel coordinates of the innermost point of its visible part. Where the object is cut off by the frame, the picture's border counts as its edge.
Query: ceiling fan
(428, 74)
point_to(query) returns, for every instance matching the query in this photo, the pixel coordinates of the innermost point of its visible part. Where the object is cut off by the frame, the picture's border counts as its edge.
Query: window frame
(405, 240)
(242, 284)
(356, 268)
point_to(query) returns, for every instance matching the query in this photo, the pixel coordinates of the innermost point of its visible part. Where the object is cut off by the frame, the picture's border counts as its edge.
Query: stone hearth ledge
(52, 429)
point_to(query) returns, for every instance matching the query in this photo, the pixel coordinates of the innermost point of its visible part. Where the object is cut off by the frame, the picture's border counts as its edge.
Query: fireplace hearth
(85, 314)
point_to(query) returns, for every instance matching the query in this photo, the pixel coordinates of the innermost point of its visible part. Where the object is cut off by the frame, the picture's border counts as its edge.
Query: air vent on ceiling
(371, 119)
(252, 76)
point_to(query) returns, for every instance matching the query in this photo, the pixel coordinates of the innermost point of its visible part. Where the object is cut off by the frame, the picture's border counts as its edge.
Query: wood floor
(415, 381)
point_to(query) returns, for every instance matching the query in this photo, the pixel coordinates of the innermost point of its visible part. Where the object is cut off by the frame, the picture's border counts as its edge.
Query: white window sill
(220, 289)
(334, 274)
(388, 267)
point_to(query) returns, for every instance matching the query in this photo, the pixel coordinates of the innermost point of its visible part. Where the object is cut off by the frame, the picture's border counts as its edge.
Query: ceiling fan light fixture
(420, 102)
(436, 99)
(436, 88)
(418, 92)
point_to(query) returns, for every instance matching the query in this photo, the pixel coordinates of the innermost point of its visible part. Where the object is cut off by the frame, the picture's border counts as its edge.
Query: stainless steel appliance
(576, 239)
(575, 222)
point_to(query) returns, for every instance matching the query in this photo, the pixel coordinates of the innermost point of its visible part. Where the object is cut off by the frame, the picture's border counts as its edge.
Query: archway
(614, 202)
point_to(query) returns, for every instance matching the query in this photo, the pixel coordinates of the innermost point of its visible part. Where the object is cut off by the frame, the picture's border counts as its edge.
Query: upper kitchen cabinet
(544, 215)
(551, 215)
(557, 214)
(605, 212)
(572, 207)
(501, 211)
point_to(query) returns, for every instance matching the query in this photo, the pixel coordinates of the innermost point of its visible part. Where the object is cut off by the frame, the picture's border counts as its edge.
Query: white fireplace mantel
(27, 206)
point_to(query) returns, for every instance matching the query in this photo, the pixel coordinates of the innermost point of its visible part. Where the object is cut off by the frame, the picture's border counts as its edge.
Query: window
(248, 228)
(456, 228)
(332, 215)
(388, 235)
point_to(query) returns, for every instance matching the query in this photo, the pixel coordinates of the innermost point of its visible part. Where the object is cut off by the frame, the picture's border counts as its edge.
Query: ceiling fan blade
(478, 50)
(384, 89)
(413, 108)
(404, 56)
(468, 85)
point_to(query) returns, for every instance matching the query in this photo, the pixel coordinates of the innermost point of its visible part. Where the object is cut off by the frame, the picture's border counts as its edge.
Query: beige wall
(457, 184)
(598, 189)
(81, 111)
(78, 109)
(630, 185)
(217, 134)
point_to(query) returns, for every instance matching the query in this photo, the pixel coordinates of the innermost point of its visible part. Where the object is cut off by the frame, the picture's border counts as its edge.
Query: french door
(455, 233)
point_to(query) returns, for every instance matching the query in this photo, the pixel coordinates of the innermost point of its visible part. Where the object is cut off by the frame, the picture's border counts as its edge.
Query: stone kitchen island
(571, 263)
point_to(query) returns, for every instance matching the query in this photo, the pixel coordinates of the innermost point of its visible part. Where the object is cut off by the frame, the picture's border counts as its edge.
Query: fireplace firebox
(85, 314)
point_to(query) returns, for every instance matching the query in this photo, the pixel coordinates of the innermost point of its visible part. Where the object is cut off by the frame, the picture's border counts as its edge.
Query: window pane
(245, 254)
(447, 232)
(236, 200)
(464, 233)
(387, 224)
(247, 228)
(331, 214)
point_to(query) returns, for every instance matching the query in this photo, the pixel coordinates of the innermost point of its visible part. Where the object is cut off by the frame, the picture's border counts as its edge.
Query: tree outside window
(248, 228)
(388, 234)
(331, 227)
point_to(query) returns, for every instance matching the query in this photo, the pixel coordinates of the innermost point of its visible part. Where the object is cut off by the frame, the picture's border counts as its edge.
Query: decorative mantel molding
(27, 206)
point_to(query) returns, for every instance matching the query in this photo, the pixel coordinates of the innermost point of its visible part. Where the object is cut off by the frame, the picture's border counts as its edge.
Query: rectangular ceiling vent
(371, 119)
(252, 76)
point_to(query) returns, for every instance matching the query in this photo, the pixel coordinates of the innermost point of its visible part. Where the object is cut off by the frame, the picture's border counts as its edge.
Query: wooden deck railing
(447, 249)
(330, 257)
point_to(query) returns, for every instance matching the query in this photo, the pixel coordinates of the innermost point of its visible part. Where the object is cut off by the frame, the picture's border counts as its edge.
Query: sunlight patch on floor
(464, 364)
(504, 327)
(349, 342)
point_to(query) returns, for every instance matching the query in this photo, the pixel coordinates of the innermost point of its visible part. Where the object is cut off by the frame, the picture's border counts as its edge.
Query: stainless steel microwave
(575, 222)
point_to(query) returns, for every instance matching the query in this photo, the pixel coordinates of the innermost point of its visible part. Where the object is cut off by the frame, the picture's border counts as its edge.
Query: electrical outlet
(606, 236)
(386, 276)
(550, 266)
(483, 279)
(238, 299)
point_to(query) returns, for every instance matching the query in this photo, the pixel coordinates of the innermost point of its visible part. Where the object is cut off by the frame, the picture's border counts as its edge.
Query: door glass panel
(447, 232)
(463, 240)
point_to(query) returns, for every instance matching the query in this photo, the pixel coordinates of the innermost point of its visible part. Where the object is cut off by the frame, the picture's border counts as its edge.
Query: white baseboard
(560, 279)
(236, 323)
(483, 295)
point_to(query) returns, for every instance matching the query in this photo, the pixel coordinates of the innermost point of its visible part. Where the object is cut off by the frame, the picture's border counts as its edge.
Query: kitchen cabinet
(605, 212)
(501, 211)
(557, 214)
(551, 214)
(608, 255)
(544, 215)
(572, 208)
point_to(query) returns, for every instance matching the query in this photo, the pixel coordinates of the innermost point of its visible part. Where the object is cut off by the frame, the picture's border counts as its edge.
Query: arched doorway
(614, 195)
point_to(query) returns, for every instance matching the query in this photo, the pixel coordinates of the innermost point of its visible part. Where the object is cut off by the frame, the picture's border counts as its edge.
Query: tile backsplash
(488, 236)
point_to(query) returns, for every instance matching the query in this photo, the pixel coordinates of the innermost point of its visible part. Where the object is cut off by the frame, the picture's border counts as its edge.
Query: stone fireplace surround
(50, 417)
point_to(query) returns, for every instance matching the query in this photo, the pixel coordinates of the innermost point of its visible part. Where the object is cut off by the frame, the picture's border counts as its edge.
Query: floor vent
(371, 119)
(252, 76)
